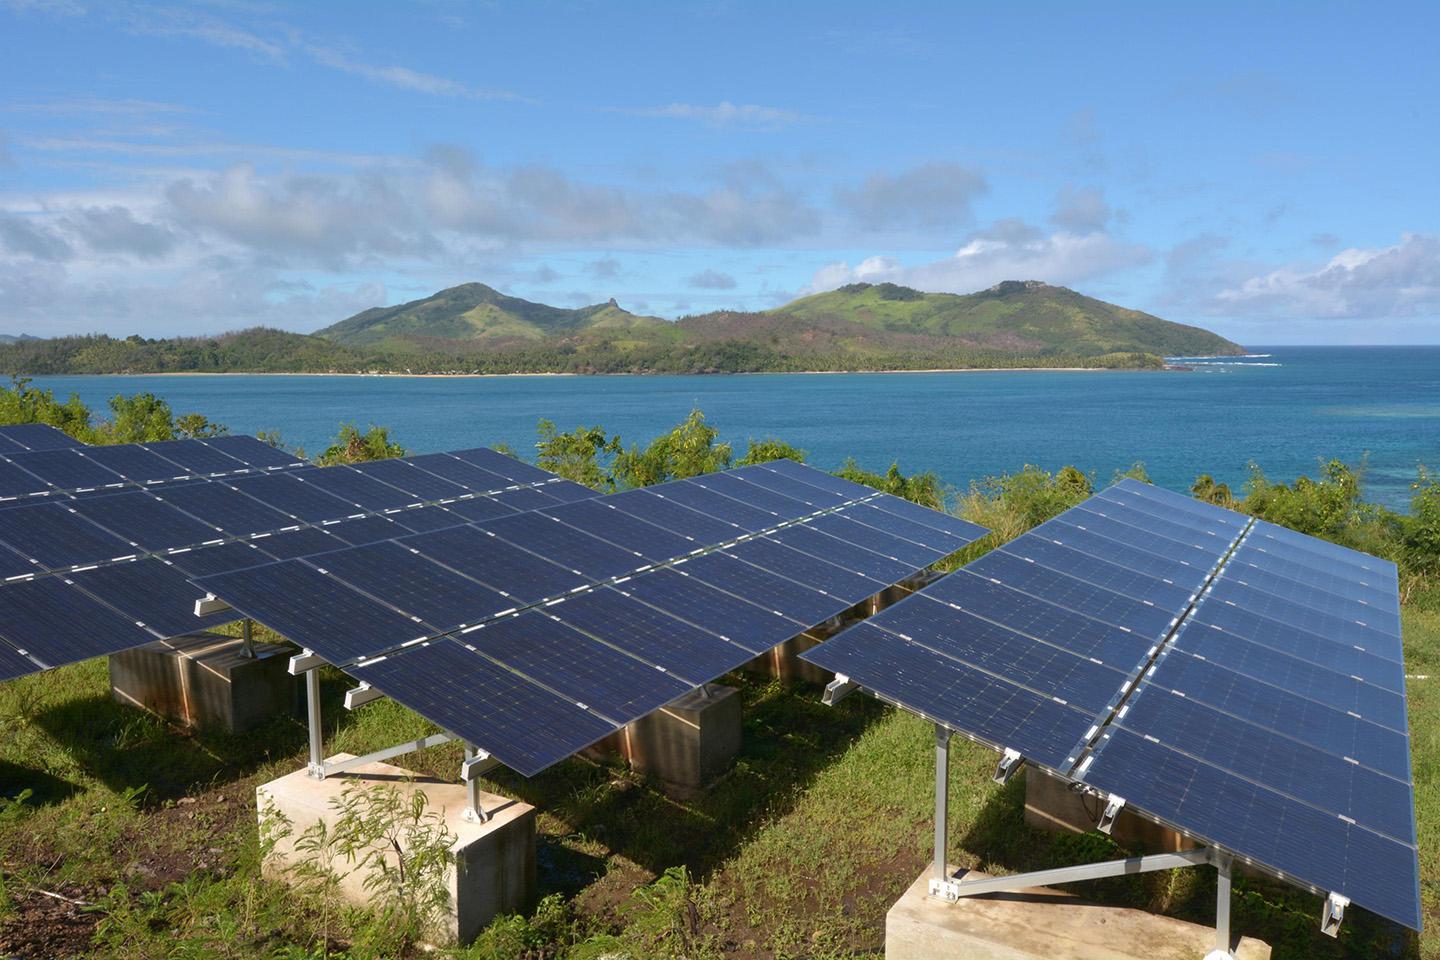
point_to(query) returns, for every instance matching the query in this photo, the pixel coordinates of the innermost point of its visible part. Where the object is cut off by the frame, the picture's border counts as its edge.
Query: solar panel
(56, 624)
(1256, 569)
(1162, 514)
(944, 522)
(458, 471)
(523, 726)
(1365, 664)
(151, 592)
(925, 535)
(195, 457)
(842, 553)
(1279, 539)
(55, 537)
(356, 488)
(10, 446)
(816, 497)
(897, 548)
(38, 436)
(368, 529)
(145, 521)
(220, 558)
(496, 563)
(803, 568)
(800, 603)
(314, 610)
(616, 685)
(416, 586)
(1176, 571)
(16, 482)
(1132, 583)
(567, 491)
(598, 519)
(1180, 503)
(13, 663)
(673, 516)
(1186, 554)
(1210, 543)
(754, 495)
(516, 471)
(424, 519)
(746, 624)
(292, 494)
(716, 505)
(1333, 617)
(135, 463)
(525, 498)
(301, 542)
(66, 469)
(254, 452)
(224, 507)
(483, 508)
(404, 475)
(682, 648)
(548, 537)
(818, 478)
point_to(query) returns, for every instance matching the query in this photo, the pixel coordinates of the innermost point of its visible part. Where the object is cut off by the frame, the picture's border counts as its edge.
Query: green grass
(797, 853)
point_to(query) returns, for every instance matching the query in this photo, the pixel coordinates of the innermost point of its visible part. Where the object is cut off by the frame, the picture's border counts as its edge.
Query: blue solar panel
(17, 482)
(889, 522)
(477, 509)
(228, 509)
(611, 683)
(516, 471)
(317, 612)
(495, 562)
(819, 478)
(196, 457)
(1037, 618)
(1281, 539)
(716, 505)
(567, 491)
(134, 462)
(1333, 617)
(753, 627)
(1011, 656)
(526, 498)
(598, 519)
(56, 624)
(817, 497)
(803, 568)
(944, 522)
(940, 687)
(416, 586)
(145, 521)
(911, 554)
(1163, 514)
(549, 538)
(458, 471)
(10, 446)
(66, 470)
(38, 436)
(1132, 583)
(13, 663)
(54, 537)
(406, 476)
(371, 529)
(1181, 573)
(674, 517)
(682, 648)
(1181, 503)
(837, 551)
(254, 452)
(1313, 846)
(1368, 665)
(425, 519)
(221, 558)
(302, 542)
(152, 592)
(354, 487)
(1171, 550)
(1277, 576)
(794, 600)
(1214, 545)
(1137, 616)
(777, 504)
(292, 494)
(520, 724)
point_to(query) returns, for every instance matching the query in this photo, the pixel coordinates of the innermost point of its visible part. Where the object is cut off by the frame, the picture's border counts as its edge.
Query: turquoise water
(1282, 411)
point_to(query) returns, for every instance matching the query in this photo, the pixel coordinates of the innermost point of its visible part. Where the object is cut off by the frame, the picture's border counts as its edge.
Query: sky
(1267, 171)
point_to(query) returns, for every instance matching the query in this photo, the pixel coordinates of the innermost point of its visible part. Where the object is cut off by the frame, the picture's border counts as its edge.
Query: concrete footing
(205, 680)
(1051, 805)
(1041, 924)
(494, 868)
(685, 744)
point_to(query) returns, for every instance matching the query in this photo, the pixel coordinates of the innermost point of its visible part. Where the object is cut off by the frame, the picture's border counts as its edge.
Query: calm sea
(1284, 410)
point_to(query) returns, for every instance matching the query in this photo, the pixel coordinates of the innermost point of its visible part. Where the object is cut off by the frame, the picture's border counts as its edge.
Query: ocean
(1283, 408)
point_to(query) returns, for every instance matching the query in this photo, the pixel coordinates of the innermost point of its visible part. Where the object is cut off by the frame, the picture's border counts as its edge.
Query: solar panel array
(534, 635)
(98, 543)
(1236, 680)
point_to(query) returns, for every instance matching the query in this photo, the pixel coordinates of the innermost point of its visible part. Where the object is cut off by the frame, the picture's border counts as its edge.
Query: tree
(686, 451)
(584, 455)
(763, 451)
(142, 418)
(352, 446)
(922, 488)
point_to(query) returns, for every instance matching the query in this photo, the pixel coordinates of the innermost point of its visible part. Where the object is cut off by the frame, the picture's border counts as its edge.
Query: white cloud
(927, 196)
(1081, 210)
(711, 280)
(404, 77)
(722, 114)
(1401, 280)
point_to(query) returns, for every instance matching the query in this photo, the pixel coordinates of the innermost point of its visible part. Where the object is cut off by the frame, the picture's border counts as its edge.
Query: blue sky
(1268, 171)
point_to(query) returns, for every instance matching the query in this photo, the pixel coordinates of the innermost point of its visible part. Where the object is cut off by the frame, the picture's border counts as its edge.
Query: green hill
(473, 311)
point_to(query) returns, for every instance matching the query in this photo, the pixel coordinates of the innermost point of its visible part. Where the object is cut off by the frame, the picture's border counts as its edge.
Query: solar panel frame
(291, 494)
(135, 463)
(54, 537)
(145, 521)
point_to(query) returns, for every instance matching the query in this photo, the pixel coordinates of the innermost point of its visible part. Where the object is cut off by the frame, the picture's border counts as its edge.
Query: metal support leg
(941, 886)
(1222, 905)
(312, 706)
(247, 640)
(470, 773)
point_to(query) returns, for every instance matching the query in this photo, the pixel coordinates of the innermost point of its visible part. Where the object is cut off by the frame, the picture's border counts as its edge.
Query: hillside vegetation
(473, 328)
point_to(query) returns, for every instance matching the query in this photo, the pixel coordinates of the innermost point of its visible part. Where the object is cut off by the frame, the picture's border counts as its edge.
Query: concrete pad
(1051, 805)
(1041, 924)
(689, 742)
(205, 680)
(494, 868)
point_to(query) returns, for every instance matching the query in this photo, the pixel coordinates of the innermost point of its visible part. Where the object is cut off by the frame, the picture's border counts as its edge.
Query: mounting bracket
(361, 695)
(1113, 806)
(1333, 915)
(837, 690)
(209, 604)
(1009, 765)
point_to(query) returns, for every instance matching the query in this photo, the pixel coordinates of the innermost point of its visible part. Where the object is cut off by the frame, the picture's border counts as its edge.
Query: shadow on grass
(788, 738)
(44, 788)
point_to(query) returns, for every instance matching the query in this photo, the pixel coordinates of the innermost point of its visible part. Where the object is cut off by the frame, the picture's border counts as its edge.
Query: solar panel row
(1270, 715)
(107, 544)
(616, 605)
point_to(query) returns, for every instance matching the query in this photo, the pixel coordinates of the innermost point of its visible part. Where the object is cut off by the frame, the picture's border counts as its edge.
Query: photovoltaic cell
(682, 648)
(38, 436)
(1257, 570)
(1335, 620)
(848, 555)
(477, 509)
(938, 687)
(425, 519)
(895, 525)
(1146, 620)
(496, 563)
(458, 471)
(803, 568)
(290, 494)
(220, 558)
(549, 538)
(1279, 537)
(516, 471)
(794, 600)
(1082, 566)
(13, 663)
(818, 498)
(416, 586)
(369, 529)
(1210, 543)
(1337, 566)
(1140, 506)
(819, 478)
(195, 457)
(600, 520)
(135, 463)
(674, 517)
(152, 592)
(567, 491)
(145, 521)
(10, 446)
(254, 452)
(526, 498)
(756, 628)
(57, 624)
(66, 469)
(1278, 636)
(779, 505)
(357, 488)
(224, 507)
(55, 537)
(1182, 504)
(405, 476)
(1181, 573)
(944, 522)
(572, 664)
(716, 505)
(315, 611)
(304, 542)
(17, 482)
(523, 726)
(1172, 550)
(1315, 847)
(838, 525)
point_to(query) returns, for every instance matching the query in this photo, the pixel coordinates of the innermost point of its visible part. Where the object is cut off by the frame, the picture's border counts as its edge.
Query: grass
(148, 833)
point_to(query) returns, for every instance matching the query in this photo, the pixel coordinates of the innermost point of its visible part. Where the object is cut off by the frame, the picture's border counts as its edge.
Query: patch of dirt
(46, 928)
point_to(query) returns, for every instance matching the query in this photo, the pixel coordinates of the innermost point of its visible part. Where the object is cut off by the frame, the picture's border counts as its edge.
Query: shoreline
(741, 373)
